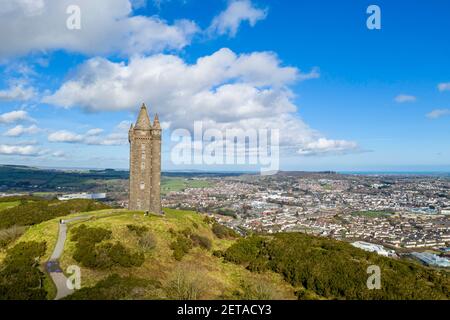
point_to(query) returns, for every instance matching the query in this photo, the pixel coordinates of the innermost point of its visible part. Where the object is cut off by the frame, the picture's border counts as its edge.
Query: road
(53, 268)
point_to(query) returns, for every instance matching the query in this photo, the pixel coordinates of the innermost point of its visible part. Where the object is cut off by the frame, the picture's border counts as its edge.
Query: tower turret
(143, 121)
(145, 163)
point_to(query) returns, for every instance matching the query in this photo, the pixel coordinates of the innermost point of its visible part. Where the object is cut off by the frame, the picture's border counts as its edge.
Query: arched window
(142, 185)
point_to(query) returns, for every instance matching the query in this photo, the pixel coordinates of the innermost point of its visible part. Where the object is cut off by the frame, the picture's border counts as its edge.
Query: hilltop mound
(186, 255)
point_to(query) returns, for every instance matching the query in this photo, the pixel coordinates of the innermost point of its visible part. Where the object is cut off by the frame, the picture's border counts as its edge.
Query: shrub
(115, 287)
(258, 290)
(195, 225)
(223, 232)
(119, 255)
(91, 253)
(201, 241)
(138, 230)
(208, 220)
(20, 277)
(187, 232)
(184, 286)
(10, 234)
(91, 235)
(180, 247)
(172, 232)
(147, 242)
(218, 253)
(245, 251)
(33, 212)
(324, 268)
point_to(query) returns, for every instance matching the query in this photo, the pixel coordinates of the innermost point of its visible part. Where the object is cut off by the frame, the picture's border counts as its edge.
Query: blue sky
(343, 97)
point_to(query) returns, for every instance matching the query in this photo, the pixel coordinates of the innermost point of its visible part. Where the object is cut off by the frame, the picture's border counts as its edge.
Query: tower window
(142, 186)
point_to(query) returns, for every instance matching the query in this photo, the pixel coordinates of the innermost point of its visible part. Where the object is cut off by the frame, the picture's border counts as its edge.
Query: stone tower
(145, 164)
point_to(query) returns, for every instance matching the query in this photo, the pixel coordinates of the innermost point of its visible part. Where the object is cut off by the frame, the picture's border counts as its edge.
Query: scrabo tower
(145, 164)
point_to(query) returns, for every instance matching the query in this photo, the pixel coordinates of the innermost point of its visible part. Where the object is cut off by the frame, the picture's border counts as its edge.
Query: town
(402, 212)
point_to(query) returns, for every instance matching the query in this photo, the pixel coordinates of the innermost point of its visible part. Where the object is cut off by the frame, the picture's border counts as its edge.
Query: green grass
(7, 205)
(219, 279)
(169, 184)
(372, 213)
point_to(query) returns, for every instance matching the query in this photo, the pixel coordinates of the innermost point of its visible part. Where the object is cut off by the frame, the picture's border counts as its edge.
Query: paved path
(53, 267)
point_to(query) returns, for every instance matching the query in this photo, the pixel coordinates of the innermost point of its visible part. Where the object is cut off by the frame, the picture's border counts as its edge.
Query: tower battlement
(145, 163)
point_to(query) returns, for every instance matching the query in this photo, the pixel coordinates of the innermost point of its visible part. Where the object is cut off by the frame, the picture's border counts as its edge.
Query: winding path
(53, 268)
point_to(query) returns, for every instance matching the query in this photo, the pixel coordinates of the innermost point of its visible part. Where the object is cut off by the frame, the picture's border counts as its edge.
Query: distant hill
(186, 255)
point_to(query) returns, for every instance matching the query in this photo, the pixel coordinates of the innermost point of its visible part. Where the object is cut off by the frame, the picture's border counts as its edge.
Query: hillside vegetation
(186, 255)
(325, 268)
(32, 210)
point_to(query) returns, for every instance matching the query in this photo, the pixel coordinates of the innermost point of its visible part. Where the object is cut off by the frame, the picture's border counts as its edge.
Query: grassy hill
(185, 255)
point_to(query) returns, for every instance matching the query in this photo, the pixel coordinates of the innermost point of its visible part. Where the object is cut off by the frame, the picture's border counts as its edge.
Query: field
(169, 184)
(372, 214)
(7, 205)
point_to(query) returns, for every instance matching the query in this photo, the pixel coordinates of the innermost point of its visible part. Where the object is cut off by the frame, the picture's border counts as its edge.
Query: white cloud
(20, 150)
(324, 146)
(402, 98)
(59, 154)
(20, 130)
(118, 136)
(107, 26)
(238, 11)
(444, 86)
(17, 92)
(15, 116)
(223, 90)
(437, 113)
(64, 136)
(94, 132)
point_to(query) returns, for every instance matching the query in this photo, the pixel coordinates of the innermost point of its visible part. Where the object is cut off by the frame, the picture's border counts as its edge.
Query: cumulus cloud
(444, 86)
(65, 136)
(18, 92)
(325, 146)
(20, 130)
(237, 12)
(118, 136)
(107, 26)
(94, 132)
(437, 113)
(20, 150)
(402, 98)
(15, 116)
(223, 90)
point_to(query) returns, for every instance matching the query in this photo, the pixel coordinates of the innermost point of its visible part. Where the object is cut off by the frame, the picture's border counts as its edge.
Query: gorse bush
(201, 241)
(223, 232)
(147, 240)
(185, 240)
(34, 212)
(181, 246)
(91, 235)
(115, 287)
(336, 270)
(91, 253)
(20, 277)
